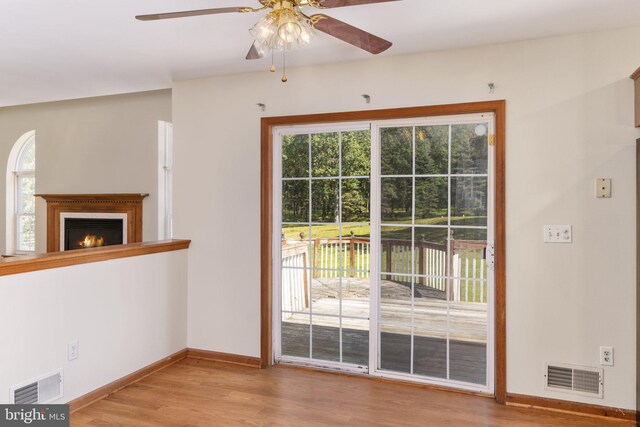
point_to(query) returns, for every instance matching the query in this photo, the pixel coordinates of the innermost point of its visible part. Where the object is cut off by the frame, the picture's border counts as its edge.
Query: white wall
(569, 120)
(125, 313)
(97, 145)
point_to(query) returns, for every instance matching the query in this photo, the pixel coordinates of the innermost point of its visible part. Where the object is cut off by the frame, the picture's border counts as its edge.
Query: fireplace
(81, 231)
(76, 221)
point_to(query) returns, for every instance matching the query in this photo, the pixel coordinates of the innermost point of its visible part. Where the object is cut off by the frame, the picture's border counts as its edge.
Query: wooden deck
(468, 361)
(431, 315)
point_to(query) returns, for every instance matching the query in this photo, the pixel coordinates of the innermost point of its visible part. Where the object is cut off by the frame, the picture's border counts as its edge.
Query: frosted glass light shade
(281, 29)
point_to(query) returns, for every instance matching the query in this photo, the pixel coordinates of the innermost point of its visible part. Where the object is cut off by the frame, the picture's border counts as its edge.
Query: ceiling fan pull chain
(284, 64)
(273, 67)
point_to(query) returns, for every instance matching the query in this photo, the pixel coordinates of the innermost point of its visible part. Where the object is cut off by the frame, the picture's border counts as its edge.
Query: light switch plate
(557, 234)
(603, 188)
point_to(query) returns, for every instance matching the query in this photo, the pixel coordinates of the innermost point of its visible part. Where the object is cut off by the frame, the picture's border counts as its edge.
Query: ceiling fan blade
(342, 3)
(350, 34)
(187, 13)
(254, 53)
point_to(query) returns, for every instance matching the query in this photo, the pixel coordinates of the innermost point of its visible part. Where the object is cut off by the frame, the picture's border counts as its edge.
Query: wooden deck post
(422, 265)
(352, 256)
(316, 246)
(305, 273)
(389, 259)
(450, 254)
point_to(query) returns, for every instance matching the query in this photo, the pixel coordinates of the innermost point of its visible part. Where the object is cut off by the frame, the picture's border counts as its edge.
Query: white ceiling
(63, 49)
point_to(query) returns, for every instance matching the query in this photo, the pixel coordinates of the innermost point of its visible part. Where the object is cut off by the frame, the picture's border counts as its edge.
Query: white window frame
(14, 173)
(165, 180)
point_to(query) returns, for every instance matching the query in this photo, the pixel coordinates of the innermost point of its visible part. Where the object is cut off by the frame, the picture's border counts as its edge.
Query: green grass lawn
(363, 230)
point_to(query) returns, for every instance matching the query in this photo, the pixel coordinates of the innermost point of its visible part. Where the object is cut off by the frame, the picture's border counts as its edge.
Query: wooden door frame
(498, 108)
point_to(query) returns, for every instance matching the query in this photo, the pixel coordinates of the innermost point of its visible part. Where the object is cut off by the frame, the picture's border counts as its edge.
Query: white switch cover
(603, 188)
(557, 234)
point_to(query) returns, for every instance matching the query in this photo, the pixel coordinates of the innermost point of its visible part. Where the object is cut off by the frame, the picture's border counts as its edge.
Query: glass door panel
(325, 230)
(432, 311)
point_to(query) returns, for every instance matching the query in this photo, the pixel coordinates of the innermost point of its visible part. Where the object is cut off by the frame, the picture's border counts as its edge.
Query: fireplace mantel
(128, 203)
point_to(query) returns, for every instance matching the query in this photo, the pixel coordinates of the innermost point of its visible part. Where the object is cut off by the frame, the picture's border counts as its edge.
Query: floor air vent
(44, 389)
(582, 380)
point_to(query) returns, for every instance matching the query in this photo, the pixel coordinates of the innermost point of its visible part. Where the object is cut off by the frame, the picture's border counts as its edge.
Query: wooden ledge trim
(94, 197)
(390, 113)
(635, 75)
(214, 356)
(570, 407)
(25, 264)
(119, 384)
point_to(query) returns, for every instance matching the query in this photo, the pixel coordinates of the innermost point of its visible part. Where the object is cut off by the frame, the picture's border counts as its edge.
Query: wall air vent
(581, 380)
(26, 395)
(41, 390)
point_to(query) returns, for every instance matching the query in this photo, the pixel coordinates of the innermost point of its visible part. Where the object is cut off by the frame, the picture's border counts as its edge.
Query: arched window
(21, 188)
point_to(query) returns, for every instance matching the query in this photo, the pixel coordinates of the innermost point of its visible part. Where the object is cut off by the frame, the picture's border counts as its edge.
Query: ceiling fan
(287, 25)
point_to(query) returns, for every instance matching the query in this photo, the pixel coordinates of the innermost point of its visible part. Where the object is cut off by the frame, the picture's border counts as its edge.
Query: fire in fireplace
(80, 233)
(91, 241)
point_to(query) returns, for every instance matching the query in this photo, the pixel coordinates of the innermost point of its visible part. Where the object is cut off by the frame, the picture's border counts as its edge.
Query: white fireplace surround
(92, 215)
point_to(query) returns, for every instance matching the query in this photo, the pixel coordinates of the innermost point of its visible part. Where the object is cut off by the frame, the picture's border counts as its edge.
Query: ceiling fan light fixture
(307, 33)
(289, 31)
(265, 29)
(286, 25)
(281, 29)
(289, 27)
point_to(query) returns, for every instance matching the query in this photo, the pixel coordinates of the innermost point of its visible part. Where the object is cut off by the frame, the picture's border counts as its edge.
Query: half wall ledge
(25, 264)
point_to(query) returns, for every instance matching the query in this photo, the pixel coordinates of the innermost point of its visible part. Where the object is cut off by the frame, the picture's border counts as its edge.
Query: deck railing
(469, 266)
(347, 257)
(295, 277)
(350, 257)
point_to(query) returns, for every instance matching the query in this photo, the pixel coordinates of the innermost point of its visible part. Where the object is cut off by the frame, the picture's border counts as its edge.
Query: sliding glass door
(435, 286)
(324, 242)
(384, 249)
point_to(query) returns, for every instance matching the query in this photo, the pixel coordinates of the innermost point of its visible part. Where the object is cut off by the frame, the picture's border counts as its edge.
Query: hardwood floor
(196, 392)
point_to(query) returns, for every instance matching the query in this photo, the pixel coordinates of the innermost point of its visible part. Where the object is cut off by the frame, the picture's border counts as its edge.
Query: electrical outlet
(73, 350)
(603, 188)
(606, 356)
